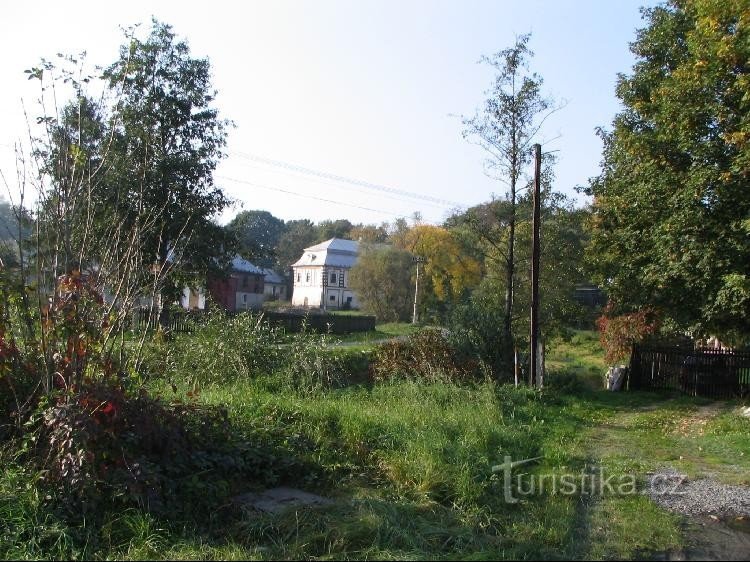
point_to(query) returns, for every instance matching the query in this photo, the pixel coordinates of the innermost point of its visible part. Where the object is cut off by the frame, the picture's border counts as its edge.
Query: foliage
(426, 356)
(297, 235)
(258, 234)
(477, 321)
(618, 333)
(448, 270)
(382, 279)
(370, 233)
(670, 228)
(226, 347)
(505, 128)
(340, 228)
(168, 141)
(477, 331)
(311, 363)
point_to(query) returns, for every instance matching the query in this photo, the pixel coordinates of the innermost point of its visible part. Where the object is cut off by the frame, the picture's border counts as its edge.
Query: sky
(351, 109)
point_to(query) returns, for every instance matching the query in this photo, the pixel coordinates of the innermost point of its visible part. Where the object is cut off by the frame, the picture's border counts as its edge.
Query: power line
(343, 179)
(337, 186)
(297, 194)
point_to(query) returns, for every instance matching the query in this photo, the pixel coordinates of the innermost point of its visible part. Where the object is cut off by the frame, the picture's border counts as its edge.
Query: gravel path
(675, 492)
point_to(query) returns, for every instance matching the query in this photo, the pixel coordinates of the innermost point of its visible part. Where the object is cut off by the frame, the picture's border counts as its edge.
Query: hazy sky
(365, 90)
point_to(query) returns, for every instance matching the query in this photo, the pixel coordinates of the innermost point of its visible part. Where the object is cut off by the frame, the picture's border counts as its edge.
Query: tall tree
(340, 228)
(505, 127)
(670, 228)
(449, 270)
(170, 140)
(258, 234)
(562, 242)
(297, 235)
(370, 233)
(383, 281)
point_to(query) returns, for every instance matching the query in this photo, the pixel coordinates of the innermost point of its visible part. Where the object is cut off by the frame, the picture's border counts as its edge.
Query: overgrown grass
(381, 332)
(580, 354)
(409, 467)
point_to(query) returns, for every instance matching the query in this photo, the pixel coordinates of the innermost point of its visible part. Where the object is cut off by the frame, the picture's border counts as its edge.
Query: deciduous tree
(505, 127)
(670, 228)
(383, 282)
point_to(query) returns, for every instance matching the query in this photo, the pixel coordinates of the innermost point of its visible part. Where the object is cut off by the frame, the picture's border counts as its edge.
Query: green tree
(169, 140)
(258, 234)
(505, 127)
(340, 228)
(563, 239)
(382, 279)
(297, 235)
(8, 235)
(670, 227)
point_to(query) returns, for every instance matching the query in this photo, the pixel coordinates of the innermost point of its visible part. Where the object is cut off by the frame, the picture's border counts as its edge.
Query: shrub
(476, 330)
(104, 447)
(619, 333)
(427, 355)
(228, 347)
(564, 382)
(311, 363)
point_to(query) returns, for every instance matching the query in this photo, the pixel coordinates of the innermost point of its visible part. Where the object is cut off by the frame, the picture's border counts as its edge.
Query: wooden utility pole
(417, 260)
(535, 375)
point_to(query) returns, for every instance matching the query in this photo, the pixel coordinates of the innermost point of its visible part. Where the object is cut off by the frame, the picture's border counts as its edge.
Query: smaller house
(275, 285)
(241, 290)
(246, 288)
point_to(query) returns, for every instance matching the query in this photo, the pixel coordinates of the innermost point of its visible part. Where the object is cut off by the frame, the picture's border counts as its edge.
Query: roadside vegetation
(407, 461)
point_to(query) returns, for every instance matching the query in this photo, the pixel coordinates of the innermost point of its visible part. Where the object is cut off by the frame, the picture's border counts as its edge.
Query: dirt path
(715, 517)
(694, 425)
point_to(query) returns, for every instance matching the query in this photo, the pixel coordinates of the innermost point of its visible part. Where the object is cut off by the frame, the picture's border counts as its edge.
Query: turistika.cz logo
(591, 481)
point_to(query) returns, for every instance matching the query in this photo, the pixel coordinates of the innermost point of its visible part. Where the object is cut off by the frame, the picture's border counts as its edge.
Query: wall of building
(275, 291)
(241, 291)
(192, 299)
(306, 296)
(308, 284)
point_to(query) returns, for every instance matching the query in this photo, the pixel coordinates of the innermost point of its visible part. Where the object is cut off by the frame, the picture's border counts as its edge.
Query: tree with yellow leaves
(448, 269)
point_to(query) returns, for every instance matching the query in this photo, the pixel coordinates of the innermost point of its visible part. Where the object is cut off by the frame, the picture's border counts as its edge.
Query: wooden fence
(711, 373)
(182, 322)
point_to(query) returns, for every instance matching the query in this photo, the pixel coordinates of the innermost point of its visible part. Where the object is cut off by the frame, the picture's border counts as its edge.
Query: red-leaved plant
(618, 333)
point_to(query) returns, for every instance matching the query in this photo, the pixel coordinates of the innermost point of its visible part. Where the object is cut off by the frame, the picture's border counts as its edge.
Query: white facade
(192, 299)
(321, 275)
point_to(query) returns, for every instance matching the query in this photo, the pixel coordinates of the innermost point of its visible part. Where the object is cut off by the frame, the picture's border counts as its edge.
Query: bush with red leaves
(618, 333)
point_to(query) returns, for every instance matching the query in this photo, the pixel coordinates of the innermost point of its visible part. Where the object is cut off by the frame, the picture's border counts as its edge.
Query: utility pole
(535, 376)
(417, 260)
(324, 284)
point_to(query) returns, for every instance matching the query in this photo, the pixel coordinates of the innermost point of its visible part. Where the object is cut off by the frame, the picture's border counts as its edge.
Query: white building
(321, 275)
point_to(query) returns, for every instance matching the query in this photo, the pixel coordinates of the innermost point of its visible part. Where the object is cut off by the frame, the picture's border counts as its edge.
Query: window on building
(244, 298)
(307, 277)
(333, 297)
(333, 277)
(299, 277)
